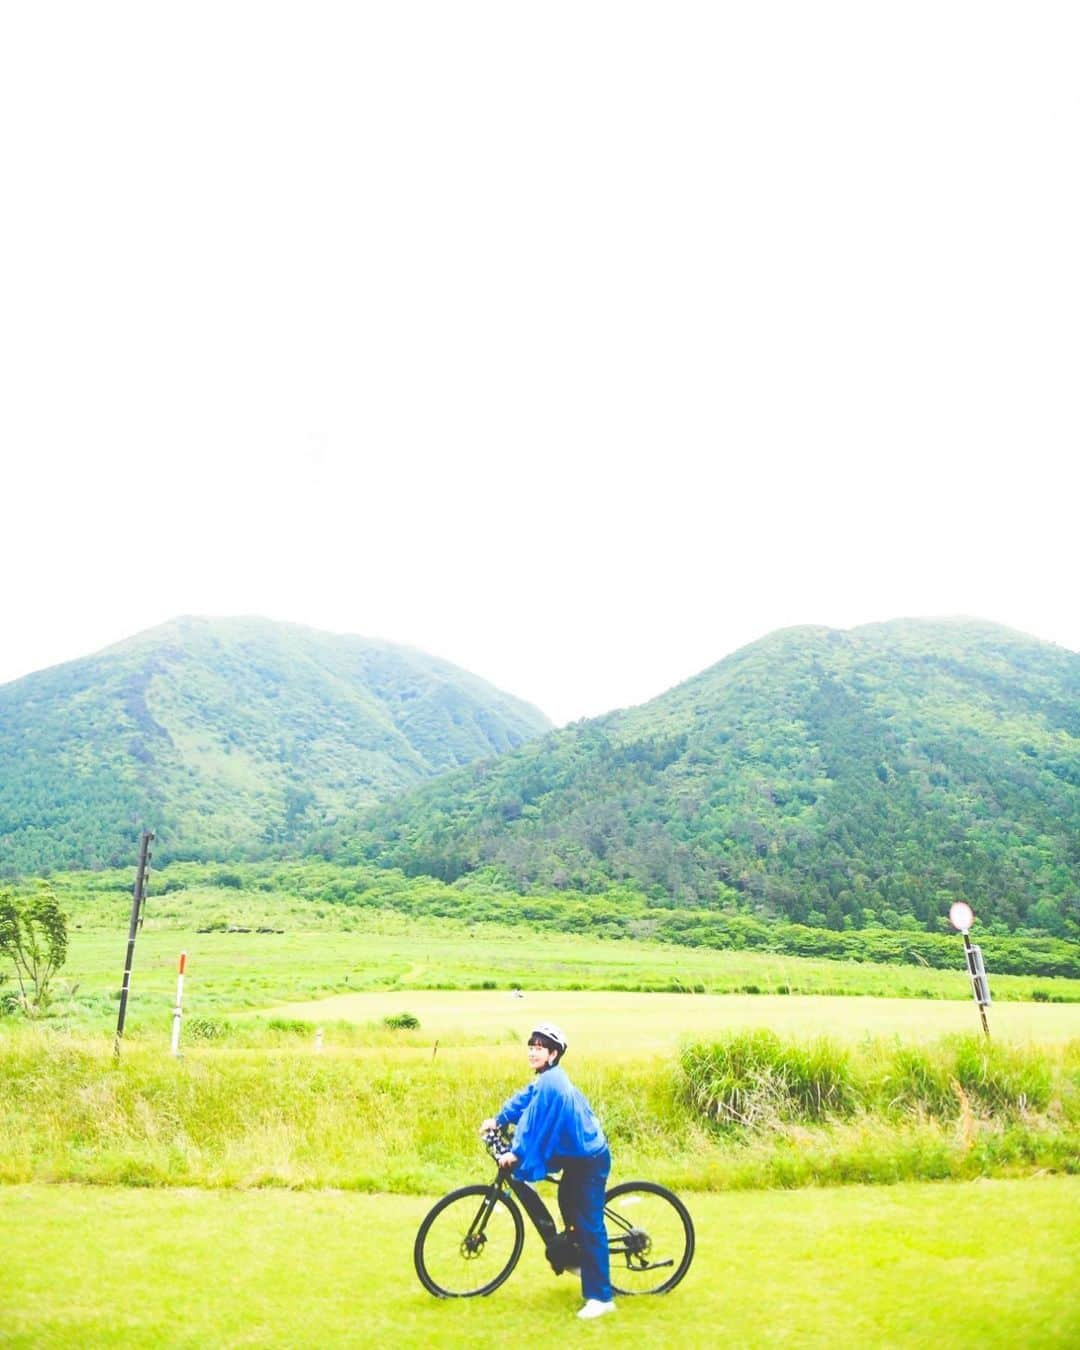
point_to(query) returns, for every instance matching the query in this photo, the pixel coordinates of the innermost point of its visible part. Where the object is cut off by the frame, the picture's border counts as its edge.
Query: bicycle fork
(474, 1239)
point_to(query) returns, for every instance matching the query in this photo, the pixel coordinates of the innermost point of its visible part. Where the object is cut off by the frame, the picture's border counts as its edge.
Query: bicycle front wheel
(650, 1237)
(469, 1243)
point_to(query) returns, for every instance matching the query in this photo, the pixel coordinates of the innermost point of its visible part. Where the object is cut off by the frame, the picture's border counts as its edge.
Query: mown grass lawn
(988, 1263)
(606, 1022)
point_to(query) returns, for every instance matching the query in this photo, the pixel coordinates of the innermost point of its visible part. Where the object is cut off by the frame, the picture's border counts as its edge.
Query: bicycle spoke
(650, 1237)
(469, 1243)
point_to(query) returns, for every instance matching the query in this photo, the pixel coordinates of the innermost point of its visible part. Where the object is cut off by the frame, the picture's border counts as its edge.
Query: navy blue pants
(581, 1202)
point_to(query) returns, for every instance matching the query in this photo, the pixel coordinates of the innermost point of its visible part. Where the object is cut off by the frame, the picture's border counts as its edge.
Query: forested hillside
(231, 738)
(837, 779)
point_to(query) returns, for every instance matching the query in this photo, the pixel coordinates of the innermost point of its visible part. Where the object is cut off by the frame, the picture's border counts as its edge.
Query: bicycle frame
(538, 1213)
(630, 1242)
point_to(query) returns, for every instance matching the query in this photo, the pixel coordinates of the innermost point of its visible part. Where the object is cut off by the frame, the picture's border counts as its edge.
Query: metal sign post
(137, 904)
(962, 916)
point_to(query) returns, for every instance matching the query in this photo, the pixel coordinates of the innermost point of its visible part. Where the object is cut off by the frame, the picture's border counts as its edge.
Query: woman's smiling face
(540, 1057)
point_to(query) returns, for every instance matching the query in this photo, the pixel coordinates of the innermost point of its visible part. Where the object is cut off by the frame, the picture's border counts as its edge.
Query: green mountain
(230, 738)
(833, 778)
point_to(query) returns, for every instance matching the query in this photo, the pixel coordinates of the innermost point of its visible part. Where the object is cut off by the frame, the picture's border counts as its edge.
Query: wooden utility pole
(138, 903)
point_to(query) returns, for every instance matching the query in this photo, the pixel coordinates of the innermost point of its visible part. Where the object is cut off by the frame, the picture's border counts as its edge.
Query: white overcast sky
(577, 343)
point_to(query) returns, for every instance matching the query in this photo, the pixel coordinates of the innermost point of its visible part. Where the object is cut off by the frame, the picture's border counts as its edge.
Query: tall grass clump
(917, 1080)
(752, 1078)
(1002, 1078)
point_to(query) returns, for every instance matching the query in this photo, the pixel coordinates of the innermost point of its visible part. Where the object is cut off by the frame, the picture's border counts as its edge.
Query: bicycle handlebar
(497, 1141)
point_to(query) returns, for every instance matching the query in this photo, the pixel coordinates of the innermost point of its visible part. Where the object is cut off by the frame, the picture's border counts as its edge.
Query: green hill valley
(231, 738)
(835, 779)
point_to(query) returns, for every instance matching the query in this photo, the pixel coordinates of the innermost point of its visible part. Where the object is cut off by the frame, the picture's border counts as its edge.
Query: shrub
(207, 1028)
(403, 1021)
(34, 936)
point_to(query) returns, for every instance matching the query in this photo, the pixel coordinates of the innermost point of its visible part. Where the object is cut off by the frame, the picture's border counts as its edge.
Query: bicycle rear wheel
(650, 1237)
(469, 1243)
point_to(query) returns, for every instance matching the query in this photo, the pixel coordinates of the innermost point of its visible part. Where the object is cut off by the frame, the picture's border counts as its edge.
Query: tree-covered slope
(835, 778)
(229, 737)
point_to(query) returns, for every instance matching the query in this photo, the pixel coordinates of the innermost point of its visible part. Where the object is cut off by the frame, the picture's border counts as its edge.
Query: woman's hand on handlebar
(487, 1126)
(507, 1160)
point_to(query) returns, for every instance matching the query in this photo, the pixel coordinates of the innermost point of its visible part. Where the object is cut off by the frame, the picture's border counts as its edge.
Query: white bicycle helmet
(550, 1032)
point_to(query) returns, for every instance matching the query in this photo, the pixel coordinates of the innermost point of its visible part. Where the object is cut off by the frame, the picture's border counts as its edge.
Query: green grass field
(263, 1191)
(390, 953)
(991, 1264)
(402, 1118)
(629, 1025)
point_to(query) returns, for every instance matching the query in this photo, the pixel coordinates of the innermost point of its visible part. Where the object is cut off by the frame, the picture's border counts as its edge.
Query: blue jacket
(554, 1123)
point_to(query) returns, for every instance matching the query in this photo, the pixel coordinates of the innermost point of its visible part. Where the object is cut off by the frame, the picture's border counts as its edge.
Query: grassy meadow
(734, 1111)
(267, 1184)
(991, 1264)
(252, 971)
(293, 1073)
(631, 1025)
(250, 949)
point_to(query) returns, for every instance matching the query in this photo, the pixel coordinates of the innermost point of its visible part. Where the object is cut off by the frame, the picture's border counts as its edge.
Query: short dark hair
(538, 1038)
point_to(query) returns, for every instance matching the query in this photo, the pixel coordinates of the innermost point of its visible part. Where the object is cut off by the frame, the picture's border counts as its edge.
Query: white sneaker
(594, 1308)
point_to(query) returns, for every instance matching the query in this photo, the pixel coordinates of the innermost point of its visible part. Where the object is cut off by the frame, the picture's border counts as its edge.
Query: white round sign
(961, 915)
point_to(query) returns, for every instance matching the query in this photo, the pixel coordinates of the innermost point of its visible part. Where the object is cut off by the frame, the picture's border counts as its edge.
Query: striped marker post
(177, 1011)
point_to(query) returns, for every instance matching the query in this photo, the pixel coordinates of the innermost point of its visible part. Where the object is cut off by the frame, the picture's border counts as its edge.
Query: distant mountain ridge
(231, 737)
(832, 778)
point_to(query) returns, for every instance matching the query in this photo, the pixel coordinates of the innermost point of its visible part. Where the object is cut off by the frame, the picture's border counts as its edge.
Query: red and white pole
(178, 1010)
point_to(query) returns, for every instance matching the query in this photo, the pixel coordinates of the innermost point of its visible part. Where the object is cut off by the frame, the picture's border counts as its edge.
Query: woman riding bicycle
(556, 1129)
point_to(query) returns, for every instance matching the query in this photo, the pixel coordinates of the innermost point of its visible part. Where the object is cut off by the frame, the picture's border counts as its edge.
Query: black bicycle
(472, 1239)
